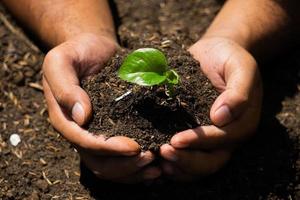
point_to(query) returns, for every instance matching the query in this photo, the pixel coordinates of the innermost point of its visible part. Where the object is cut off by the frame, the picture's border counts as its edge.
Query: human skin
(226, 55)
(82, 37)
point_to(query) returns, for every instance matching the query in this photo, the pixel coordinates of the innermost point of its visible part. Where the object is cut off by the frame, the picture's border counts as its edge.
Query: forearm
(56, 21)
(254, 24)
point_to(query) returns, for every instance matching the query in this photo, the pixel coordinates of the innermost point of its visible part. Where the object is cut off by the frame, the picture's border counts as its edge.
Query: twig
(45, 177)
(36, 86)
(124, 95)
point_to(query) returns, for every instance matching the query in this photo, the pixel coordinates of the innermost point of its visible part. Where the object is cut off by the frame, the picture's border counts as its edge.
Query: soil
(45, 166)
(147, 114)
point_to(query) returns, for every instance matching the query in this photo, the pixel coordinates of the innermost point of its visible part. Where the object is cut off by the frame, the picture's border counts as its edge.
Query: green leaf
(145, 66)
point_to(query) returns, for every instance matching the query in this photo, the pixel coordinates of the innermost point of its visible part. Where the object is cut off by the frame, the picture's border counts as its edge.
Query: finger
(202, 137)
(77, 135)
(213, 137)
(241, 78)
(116, 168)
(61, 72)
(147, 174)
(195, 162)
(209, 62)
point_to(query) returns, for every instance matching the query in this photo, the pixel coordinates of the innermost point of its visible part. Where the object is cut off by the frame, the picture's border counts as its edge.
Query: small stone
(18, 78)
(14, 139)
(42, 185)
(9, 194)
(34, 196)
(29, 73)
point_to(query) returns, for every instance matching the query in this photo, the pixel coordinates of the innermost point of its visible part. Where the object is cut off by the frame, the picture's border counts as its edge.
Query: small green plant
(148, 67)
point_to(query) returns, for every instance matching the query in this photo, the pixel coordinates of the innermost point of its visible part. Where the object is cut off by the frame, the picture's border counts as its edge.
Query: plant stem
(170, 90)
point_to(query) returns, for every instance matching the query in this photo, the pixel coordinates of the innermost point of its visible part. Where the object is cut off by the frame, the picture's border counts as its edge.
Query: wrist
(96, 39)
(242, 36)
(213, 42)
(62, 35)
(105, 32)
(216, 47)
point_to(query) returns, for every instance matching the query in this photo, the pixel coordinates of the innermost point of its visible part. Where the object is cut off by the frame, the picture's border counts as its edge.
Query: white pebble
(14, 139)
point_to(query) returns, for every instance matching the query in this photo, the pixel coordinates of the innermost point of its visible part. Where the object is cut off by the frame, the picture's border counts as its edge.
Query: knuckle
(61, 95)
(241, 98)
(54, 54)
(51, 59)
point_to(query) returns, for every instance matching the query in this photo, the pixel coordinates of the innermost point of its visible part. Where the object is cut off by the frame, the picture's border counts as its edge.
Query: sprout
(148, 67)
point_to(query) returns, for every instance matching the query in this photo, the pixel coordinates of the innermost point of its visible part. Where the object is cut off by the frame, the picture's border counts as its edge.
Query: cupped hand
(117, 158)
(235, 113)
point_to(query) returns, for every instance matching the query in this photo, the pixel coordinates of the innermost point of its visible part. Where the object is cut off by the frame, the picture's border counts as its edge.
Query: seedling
(148, 67)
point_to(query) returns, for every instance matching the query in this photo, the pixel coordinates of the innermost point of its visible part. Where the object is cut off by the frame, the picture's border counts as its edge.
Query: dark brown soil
(147, 114)
(45, 166)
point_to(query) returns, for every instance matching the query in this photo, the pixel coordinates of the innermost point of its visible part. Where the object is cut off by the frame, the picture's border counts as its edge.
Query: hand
(235, 113)
(117, 158)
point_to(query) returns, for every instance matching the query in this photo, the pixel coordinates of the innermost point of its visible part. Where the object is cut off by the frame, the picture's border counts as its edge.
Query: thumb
(227, 107)
(60, 72)
(76, 102)
(241, 76)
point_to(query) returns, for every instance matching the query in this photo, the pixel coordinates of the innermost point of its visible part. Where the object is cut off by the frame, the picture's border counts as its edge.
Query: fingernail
(145, 159)
(223, 116)
(78, 113)
(171, 157)
(152, 173)
(168, 153)
(176, 141)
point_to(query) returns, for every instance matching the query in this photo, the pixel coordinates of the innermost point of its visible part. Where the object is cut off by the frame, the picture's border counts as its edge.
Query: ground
(45, 166)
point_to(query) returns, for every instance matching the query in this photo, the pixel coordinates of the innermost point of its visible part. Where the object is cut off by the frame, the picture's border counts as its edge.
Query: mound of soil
(147, 114)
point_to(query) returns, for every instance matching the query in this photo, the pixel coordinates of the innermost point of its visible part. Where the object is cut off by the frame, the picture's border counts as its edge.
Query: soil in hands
(147, 114)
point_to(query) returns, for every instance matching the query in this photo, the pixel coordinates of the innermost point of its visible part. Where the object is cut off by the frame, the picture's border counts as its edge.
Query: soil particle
(42, 185)
(33, 196)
